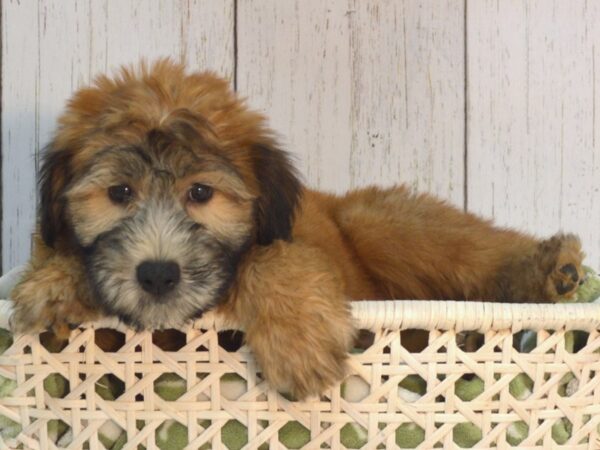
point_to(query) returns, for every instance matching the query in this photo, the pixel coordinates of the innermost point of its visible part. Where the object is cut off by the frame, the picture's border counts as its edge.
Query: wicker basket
(562, 386)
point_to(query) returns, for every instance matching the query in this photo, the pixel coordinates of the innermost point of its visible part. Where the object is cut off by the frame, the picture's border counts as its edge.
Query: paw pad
(571, 271)
(568, 280)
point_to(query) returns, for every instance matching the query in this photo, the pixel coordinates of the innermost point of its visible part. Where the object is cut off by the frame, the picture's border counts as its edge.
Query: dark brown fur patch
(55, 175)
(279, 194)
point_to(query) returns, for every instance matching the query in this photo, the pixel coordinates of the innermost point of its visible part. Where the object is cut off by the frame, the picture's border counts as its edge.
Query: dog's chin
(167, 299)
(143, 311)
(160, 313)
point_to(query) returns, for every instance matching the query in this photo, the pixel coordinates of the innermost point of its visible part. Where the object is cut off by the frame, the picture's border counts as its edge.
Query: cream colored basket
(498, 395)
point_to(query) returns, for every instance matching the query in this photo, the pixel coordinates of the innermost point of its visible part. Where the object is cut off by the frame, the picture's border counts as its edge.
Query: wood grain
(20, 122)
(53, 47)
(294, 64)
(533, 92)
(363, 92)
(408, 95)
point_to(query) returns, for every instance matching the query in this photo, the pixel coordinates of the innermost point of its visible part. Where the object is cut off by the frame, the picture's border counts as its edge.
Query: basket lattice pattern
(379, 414)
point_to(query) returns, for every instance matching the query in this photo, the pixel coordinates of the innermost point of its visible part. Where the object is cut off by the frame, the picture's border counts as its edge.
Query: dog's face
(161, 181)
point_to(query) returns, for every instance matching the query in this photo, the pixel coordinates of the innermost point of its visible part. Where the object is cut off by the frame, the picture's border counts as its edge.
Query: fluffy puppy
(162, 195)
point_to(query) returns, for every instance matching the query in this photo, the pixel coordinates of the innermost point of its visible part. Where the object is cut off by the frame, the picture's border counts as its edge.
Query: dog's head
(162, 180)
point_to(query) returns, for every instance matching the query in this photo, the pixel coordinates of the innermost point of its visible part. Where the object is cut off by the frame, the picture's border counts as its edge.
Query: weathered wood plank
(408, 95)
(53, 47)
(533, 91)
(363, 92)
(294, 64)
(20, 125)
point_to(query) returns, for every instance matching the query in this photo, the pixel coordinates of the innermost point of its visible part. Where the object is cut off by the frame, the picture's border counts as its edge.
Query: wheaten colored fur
(303, 254)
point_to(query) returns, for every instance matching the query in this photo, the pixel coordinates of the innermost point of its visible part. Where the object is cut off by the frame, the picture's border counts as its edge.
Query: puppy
(162, 196)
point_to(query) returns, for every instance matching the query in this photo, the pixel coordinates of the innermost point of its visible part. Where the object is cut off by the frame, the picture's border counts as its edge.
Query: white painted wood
(51, 48)
(363, 92)
(533, 128)
(20, 119)
(408, 95)
(294, 64)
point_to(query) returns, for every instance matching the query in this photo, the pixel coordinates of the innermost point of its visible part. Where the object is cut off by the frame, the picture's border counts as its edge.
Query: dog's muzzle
(158, 269)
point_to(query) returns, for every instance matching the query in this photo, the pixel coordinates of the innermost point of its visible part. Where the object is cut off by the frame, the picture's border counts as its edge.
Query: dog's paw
(563, 259)
(48, 299)
(301, 361)
(302, 349)
(297, 321)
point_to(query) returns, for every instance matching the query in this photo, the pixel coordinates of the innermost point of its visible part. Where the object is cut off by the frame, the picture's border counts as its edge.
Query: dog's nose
(158, 277)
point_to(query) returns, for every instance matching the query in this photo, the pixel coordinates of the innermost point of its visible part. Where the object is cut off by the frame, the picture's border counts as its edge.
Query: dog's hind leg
(416, 246)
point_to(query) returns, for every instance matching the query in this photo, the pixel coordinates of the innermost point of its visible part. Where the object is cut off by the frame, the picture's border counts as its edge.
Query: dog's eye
(200, 193)
(120, 193)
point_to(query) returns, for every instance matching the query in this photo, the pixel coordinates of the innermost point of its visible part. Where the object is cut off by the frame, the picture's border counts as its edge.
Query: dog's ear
(280, 191)
(54, 177)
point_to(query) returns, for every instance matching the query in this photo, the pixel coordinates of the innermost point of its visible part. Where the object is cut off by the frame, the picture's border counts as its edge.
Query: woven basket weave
(205, 411)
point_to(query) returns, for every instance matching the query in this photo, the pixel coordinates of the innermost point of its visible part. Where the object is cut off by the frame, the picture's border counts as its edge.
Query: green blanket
(172, 435)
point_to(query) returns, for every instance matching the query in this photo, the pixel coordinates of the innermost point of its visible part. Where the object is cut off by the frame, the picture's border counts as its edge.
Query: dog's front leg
(53, 293)
(289, 300)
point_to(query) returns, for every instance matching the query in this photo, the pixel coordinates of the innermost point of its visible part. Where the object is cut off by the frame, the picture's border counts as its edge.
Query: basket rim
(420, 314)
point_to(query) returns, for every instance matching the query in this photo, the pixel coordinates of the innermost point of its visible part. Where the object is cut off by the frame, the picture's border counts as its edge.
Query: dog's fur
(279, 260)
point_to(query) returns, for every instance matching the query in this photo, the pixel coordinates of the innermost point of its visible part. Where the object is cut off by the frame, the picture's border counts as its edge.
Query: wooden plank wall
(489, 104)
